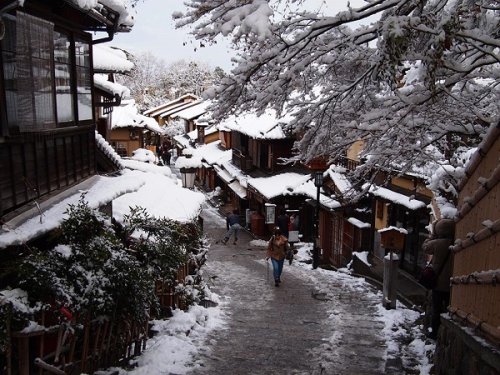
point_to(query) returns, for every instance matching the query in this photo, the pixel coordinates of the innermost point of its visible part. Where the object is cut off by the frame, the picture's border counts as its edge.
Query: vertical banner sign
(270, 213)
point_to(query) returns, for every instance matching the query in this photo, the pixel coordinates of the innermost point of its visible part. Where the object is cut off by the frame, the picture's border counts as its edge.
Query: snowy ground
(180, 338)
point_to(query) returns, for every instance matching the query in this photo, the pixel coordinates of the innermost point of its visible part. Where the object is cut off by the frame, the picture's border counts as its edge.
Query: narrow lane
(298, 328)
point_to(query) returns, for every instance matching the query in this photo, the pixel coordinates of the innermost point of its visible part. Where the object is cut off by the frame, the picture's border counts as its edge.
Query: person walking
(276, 250)
(282, 223)
(166, 153)
(233, 227)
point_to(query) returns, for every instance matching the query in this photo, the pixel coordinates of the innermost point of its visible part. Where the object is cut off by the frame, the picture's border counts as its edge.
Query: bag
(289, 254)
(428, 277)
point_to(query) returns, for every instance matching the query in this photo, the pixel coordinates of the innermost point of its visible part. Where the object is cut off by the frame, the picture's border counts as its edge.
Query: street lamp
(318, 182)
(187, 169)
(188, 176)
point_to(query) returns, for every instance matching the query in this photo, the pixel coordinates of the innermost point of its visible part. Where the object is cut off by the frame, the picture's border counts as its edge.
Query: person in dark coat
(233, 227)
(282, 223)
(438, 246)
(166, 154)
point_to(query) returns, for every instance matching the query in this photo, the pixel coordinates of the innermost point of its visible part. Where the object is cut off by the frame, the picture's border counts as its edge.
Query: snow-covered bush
(90, 271)
(103, 268)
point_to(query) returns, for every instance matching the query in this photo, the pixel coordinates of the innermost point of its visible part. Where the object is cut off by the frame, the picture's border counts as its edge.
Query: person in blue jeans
(233, 227)
(276, 250)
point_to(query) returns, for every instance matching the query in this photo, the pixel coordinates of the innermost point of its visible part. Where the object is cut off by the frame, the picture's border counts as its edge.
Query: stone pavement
(285, 330)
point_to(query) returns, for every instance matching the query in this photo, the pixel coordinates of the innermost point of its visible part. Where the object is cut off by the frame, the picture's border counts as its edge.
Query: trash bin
(391, 264)
(257, 224)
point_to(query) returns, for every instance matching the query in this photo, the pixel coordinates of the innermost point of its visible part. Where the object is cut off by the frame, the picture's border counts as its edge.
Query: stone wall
(460, 351)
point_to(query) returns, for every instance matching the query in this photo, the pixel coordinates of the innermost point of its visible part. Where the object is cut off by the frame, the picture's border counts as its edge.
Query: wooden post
(85, 349)
(24, 355)
(9, 340)
(42, 342)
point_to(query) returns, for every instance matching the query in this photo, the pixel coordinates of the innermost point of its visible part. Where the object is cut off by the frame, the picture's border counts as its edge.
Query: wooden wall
(34, 165)
(475, 297)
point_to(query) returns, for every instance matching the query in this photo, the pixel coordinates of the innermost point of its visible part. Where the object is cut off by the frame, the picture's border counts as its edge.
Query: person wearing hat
(276, 250)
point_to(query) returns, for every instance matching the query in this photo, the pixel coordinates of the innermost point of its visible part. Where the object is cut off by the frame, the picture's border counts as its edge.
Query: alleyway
(296, 328)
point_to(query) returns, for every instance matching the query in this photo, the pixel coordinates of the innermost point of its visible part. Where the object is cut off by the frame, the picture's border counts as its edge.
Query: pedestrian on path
(276, 250)
(233, 227)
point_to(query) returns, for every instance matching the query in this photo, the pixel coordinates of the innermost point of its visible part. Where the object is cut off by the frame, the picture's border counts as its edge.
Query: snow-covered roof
(179, 101)
(378, 191)
(225, 175)
(265, 126)
(358, 223)
(110, 60)
(127, 115)
(99, 191)
(277, 185)
(212, 153)
(400, 230)
(238, 189)
(101, 82)
(337, 174)
(193, 111)
(182, 140)
(161, 196)
(236, 173)
(126, 20)
(308, 189)
(177, 108)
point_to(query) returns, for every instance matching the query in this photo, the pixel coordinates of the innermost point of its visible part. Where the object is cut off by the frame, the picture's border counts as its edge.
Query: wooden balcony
(243, 162)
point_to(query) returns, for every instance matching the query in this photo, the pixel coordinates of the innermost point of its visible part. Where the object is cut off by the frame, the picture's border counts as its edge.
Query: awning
(238, 189)
(224, 175)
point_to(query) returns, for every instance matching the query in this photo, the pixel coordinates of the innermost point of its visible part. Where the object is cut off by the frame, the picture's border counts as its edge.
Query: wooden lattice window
(35, 73)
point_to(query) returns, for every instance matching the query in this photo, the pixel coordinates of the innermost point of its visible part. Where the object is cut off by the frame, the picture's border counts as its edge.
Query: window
(47, 75)
(33, 70)
(63, 76)
(84, 82)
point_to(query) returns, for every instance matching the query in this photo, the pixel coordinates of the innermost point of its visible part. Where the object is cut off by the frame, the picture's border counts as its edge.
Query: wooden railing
(82, 345)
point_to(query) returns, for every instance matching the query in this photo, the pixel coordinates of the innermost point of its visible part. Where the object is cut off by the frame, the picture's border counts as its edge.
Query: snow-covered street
(317, 322)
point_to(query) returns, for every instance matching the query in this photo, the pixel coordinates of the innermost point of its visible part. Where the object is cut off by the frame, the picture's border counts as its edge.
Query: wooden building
(162, 113)
(47, 128)
(402, 202)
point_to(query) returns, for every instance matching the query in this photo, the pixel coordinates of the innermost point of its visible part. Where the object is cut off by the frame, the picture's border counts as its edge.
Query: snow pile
(177, 340)
(143, 155)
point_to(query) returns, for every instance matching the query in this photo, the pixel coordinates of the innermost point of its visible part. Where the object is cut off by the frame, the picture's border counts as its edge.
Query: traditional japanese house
(189, 116)
(402, 203)
(130, 130)
(162, 112)
(47, 131)
(345, 228)
(257, 144)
